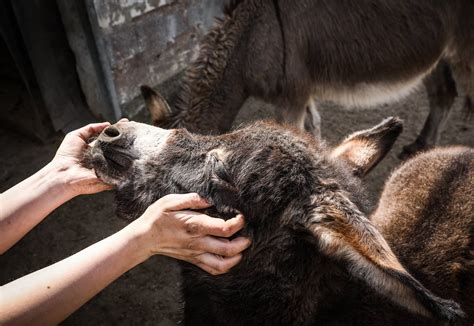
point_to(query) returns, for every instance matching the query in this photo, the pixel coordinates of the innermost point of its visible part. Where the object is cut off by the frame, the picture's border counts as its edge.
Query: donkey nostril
(112, 131)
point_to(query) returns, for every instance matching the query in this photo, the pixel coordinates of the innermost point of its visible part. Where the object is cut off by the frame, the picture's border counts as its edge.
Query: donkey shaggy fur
(316, 257)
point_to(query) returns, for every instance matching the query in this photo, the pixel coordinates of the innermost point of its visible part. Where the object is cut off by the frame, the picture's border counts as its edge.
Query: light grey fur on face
(134, 144)
(148, 140)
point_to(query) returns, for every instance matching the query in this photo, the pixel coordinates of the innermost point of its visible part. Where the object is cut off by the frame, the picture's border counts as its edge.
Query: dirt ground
(149, 294)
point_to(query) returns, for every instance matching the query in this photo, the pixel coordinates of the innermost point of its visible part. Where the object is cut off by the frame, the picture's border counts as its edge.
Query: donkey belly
(366, 94)
(367, 52)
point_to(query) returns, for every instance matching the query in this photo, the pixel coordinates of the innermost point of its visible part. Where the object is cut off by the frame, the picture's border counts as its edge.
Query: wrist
(139, 236)
(58, 181)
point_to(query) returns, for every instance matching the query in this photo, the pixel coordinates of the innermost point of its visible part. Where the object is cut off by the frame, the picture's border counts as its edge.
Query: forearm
(25, 205)
(50, 295)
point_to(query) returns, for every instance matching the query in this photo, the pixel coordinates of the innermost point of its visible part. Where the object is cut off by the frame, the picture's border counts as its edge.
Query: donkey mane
(207, 71)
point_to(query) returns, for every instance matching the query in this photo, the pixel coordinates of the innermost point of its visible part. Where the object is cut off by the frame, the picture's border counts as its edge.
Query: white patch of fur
(369, 94)
(359, 155)
(220, 153)
(149, 140)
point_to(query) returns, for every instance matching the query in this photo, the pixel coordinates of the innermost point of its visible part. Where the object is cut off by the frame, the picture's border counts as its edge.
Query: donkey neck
(213, 90)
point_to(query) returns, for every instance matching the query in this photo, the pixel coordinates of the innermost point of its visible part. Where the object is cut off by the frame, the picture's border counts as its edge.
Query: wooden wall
(146, 42)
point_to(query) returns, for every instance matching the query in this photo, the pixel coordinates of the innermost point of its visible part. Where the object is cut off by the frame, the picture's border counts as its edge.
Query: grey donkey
(352, 52)
(317, 257)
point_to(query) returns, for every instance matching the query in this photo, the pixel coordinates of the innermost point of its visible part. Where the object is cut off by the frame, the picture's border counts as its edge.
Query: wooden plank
(148, 42)
(53, 62)
(11, 92)
(79, 34)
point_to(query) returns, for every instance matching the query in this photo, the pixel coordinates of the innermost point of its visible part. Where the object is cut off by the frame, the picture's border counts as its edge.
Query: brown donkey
(426, 214)
(315, 257)
(352, 52)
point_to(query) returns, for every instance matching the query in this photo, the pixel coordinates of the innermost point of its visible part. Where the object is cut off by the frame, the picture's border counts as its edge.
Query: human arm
(25, 205)
(49, 295)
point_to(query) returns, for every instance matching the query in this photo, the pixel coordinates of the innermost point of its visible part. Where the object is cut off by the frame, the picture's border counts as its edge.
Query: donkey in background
(352, 52)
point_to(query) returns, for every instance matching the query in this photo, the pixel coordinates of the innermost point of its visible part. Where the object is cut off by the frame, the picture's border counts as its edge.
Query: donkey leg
(291, 113)
(312, 122)
(463, 71)
(441, 89)
(303, 115)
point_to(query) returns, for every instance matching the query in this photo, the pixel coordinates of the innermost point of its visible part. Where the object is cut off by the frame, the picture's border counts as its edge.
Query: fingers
(90, 130)
(198, 238)
(198, 223)
(214, 256)
(178, 202)
(85, 133)
(217, 265)
(93, 129)
(99, 187)
(222, 247)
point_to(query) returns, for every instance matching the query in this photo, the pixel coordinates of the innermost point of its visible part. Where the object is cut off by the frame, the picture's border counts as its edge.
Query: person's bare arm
(25, 205)
(49, 295)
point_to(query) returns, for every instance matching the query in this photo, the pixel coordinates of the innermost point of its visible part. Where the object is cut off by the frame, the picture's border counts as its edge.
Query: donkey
(315, 258)
(431, 227)
(352, 52)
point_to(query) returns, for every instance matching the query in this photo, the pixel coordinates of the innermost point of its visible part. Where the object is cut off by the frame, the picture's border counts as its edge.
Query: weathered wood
(76, 23)
(146, 42)
(53, 62)
(12, 52)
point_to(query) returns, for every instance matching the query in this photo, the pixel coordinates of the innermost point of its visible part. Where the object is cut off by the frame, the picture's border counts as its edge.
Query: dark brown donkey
(315, 257)
(352, 52)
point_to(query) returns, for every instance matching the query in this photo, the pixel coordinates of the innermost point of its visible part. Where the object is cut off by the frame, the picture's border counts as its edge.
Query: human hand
(79, 179)
(169, 228)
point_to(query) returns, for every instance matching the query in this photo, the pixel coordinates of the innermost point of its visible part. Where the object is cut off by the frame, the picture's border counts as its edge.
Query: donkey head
(208, 109)
(284, 182)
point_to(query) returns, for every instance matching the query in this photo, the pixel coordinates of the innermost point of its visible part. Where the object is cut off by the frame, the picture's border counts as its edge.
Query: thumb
(178, 202)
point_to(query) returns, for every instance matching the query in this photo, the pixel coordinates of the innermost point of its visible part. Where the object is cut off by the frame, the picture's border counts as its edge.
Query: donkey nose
(112, 132)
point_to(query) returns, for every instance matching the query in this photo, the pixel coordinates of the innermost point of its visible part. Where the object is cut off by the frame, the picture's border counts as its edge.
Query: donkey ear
(220, 185)
(156, 104)
(363, 150)
(343, 233)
